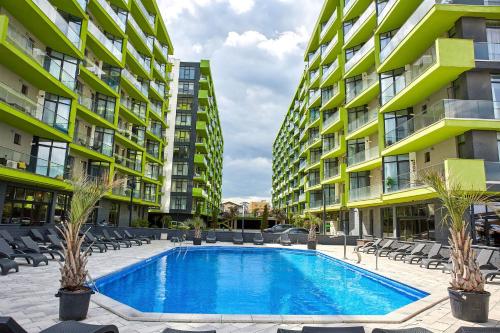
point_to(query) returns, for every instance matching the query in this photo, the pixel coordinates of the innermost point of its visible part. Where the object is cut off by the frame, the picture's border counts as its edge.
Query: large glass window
(48, 158)
(185, 103)
(62, 67)
(111, 76)
(187, 73)
(105, 107)
(134, 161)
(186, 88)
(153, 170)
(98, 169)
(104, 140)
(386, 37)
(56, 112)
(354, 147)
(330, 197)
(138, 134)
(495, 86)
(314, 178)
(153, 148)
(26, 206)
(397, 126)
(180, 169)
(179, 185)
(359, 179)
(178, 203)
(183, 119)
(349, 53)
(330, 168)
(182, 136)
(181, 152)
(396, 173)
(391, 83)
(150, 192)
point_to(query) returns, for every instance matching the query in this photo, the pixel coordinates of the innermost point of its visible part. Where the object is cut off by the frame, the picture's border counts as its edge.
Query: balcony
(93, 109)
(394, 14)
(364, 160)
(313, 59)
(314, 78)
(129, 139)
(140, 90)
(158, 89)
(199, 193)
(201, 128)
(34, 64)
(161, 69)
(21, 112)
(487, 51)
(331, 73)
(199, 159)
(133, 111)
(334, 175)
(98, 79)
(314, 98)
(327, 28)
(362, 126)
(142, 63)
(362, 60)
(363, 28)
(363, 91)
(16, 165)
(105, 49)
(333, 150)
(429, 21)
(439, 65)
(103, 12)
(353, 8)
(368, 195)
(443, 120)
(133, 166)
(333, 96)
(146, 17)
(138, 37)
(331, 51)
(91, 148)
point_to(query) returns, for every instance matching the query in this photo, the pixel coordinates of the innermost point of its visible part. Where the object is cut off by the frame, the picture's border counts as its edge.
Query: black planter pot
(311, 245)
(197, 241)
(473, 307)
(74, 305)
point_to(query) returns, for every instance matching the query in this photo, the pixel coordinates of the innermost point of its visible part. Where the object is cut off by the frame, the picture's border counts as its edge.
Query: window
(396, 173)
(182, 136)
(134, 161)
(315, 156)
(138, 133)
(354, 85)
(104, 140)
(498, 144)
(348, 25)
(495, 86)
(180, 169)
(178, 203)
(26, 206)
(387, 222)
(153, 170)
(105, 107)
(150, 192)
(357, 117)
(114, 214)
(98, 169)
(461, 146)
(111, 76)
(24, 89)
(381, 5)
(397, 126)
(354, 147)
(179, 185)
(386, 37)
(330, 168)
(187, 73)
(153, 148)
(186, 88)
(359, 179)
(17, 139)
(181, 153)
(62, 67)
(185, 103)
(314, 178)
(349, 53)
(330, 197)
(139, 108)
(391, 83)
(427, 157)
(56, 111)
(48, 157)
(182, 119)
(328, 142)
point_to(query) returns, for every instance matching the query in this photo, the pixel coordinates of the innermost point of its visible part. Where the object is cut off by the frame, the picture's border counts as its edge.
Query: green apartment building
(82, 83)
(390, 89)
(193, 176)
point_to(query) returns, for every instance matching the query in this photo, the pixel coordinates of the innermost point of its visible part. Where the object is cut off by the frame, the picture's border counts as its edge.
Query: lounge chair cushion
(353, 329)
(171, 330)
(402, 330)
(76, 327)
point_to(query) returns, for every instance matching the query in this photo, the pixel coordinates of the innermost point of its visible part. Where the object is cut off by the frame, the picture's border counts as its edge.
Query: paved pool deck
(28, 296)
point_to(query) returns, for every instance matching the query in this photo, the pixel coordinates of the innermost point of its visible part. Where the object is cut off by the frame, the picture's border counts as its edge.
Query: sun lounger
(8, 252)
(30, 246)
(107, 237)
(401, 249)
(386, 248)
(258, 239)
(478, 330)
(483, 261)
(401, 330)
(211, 237)
(433, 254)
(9, 325)
(7, 264)
(285, 240)
(417, 250)
(37, 236)
(171, 330)
(141, 238)
(368, 246)
(8, 237)
(120, 237)
(95, 242)
(237, 238)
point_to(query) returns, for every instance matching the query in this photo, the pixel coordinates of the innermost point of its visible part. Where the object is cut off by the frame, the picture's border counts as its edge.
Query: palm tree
(198, 224)
(466, 275)
(230, 217)
(311, 222)
(264, 223)
(298, 221)
(279, 215)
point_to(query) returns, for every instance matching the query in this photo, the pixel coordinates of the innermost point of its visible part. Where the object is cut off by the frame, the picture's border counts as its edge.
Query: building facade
(390, 90)
(83, 85)
(257, 207)
(193, 181)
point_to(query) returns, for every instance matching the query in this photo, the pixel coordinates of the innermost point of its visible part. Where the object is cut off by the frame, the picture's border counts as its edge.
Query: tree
(279, 215)
(215, 217)
(230, 217)
(465, 275)
(298, 221)
(264, 222)
(198, 224)
(312, 222)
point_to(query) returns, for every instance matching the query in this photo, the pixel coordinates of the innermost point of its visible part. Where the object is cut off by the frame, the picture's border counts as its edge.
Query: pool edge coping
(395, 317)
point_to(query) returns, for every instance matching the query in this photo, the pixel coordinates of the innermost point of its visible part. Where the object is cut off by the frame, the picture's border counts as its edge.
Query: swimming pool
(259, 281)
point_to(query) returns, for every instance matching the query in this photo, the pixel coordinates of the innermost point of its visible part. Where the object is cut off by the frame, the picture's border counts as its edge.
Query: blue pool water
(229, 280)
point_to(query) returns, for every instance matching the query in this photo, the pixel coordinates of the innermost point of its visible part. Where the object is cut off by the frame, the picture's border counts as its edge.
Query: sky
(256, 50)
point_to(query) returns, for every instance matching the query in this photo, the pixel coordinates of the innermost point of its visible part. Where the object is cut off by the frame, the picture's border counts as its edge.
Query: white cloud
(197, 48)
(172, 9)
(285, 43)
(241, 6)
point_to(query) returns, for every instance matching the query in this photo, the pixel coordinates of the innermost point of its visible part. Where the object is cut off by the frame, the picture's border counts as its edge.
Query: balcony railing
(354, 90)
(112, 81)
(492, 170)
(331, 172)
(329, 146)
(333, 66)
(365, 193)
(332, 119)
(330, 46)
(313, 75)
(22, 42)
(94, 31)
(149, 17)
(384, 12)
(160, 68)
(128, 163)
(363, 156)
(444, 109)
(136, 27)
(328, 24)
(104, 4)
(365, 118)
(410, 180)
(88, 142)
(142, 87)
(22, 161)
(313, 139)
(312, 56)
(133, 107)
(143, 61)
(38, 111)
(348, 4)
(159, 88)
(367, 47)
(414, 71)
(156, 108)
(328, 94)
(361, 20)
(56, 18)
(96, 108)
(313, 96)
(487, 51)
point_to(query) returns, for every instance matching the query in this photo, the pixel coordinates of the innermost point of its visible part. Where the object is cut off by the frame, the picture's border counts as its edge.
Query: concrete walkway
(28, 296)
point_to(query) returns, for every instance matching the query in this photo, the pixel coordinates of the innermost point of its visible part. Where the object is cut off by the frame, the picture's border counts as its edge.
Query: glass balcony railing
(348, 5)
(313, 139)
(328, 70)
(331, 172)
(83, 4)
(312, 56)
(22, 161)
(412, 73)
(365, 193)
(111, 80)
(302, 164)
(360, 21)
(143, 61)
(38, 111)
(313, 75)
(330, 46)
(363, 156)
(159, 88)
(330, 120)
(160, 68)
(384, 12)
(142, 87)
(101, 111)
(492, 170)
(150, 18)
(156, 108)
(133, 107)
(104, 4)
(128, 163)
(302, 197)
(56, 18)
(329, 145)
(110, 46)
(355, 89)
(409, 180)
(141, 34)
(487, 51)
(364, 50)
(444, 109)
(22, 42)
(315, 204)
(328, 94)
(362, 120)
(313, 96)
(328, 24)
(88, 142)
(156, 130)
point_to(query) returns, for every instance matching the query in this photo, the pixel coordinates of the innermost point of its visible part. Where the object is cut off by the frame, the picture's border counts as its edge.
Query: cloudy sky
(256, 51)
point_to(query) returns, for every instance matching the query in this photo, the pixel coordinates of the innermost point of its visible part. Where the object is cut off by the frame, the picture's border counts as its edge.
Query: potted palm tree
(311, 222)
(198, 224)
(74, 294)
(468, 299)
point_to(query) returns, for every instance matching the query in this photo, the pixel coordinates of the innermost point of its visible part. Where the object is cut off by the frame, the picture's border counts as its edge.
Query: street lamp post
(243, 219)
(131, 186)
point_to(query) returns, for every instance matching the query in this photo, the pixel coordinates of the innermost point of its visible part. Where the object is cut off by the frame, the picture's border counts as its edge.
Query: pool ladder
(91, 282)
